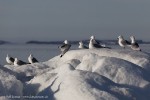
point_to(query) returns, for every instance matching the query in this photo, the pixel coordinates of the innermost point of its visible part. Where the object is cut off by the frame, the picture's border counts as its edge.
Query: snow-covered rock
(95, 74)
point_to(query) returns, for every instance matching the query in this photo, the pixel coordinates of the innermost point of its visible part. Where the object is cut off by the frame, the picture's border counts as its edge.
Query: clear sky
(22, 20)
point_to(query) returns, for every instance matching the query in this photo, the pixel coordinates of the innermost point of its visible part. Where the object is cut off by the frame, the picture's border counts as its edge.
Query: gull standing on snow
(19, 62)
(31, 59)
(95, 44)
(82, 46)
(94, 41)
(64, 48)
(10, 60)
(134, 44)
(122, 42)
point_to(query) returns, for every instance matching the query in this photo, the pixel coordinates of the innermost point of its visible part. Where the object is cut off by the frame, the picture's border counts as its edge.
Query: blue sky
(22, 20)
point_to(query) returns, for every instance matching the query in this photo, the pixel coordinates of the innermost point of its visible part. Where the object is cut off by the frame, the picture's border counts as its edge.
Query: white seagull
(31, 59)
(94, 41)
(64, 48)
(122, 42)
(134, 44)
(19, 62)
(9, 60)
(82, 46)
(93, 44)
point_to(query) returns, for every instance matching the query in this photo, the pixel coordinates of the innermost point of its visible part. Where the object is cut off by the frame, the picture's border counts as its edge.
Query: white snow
(117, 70)
(9, 85)
(95, 74)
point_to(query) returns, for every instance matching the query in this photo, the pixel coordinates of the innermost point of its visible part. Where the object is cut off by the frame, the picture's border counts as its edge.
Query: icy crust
(97, 74)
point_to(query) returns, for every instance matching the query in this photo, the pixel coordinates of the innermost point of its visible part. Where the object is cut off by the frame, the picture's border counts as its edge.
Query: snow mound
(136, 57)
(9, 85)
(118, 70)
(94, 74)
(67, 83)
(29, 69)
(80, 85)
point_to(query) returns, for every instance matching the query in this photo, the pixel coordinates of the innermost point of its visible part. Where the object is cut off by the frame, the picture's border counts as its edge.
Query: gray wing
(21, 62)
(95, 42)
(97, 46)
(135, 45)
(63, 45)
(125, 42)
(128, 43)
(34, 60)
(11, 59)
(65, 49)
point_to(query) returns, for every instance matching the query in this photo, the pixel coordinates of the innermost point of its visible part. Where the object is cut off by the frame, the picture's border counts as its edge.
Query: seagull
(31, 59)
(94, 41)
(82, 46)
(19, 62)
(64, 48)
(122, 42)
(93, 45)
(9, 60)
(134, 44)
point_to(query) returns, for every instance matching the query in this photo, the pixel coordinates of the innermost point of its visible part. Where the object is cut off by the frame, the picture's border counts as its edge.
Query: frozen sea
(42, 52)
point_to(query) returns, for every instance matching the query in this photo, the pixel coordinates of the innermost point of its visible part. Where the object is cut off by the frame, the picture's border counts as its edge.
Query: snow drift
(9, 85)
(97, 74)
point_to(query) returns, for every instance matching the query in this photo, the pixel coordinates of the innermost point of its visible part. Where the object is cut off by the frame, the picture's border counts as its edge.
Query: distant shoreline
(111, 42)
